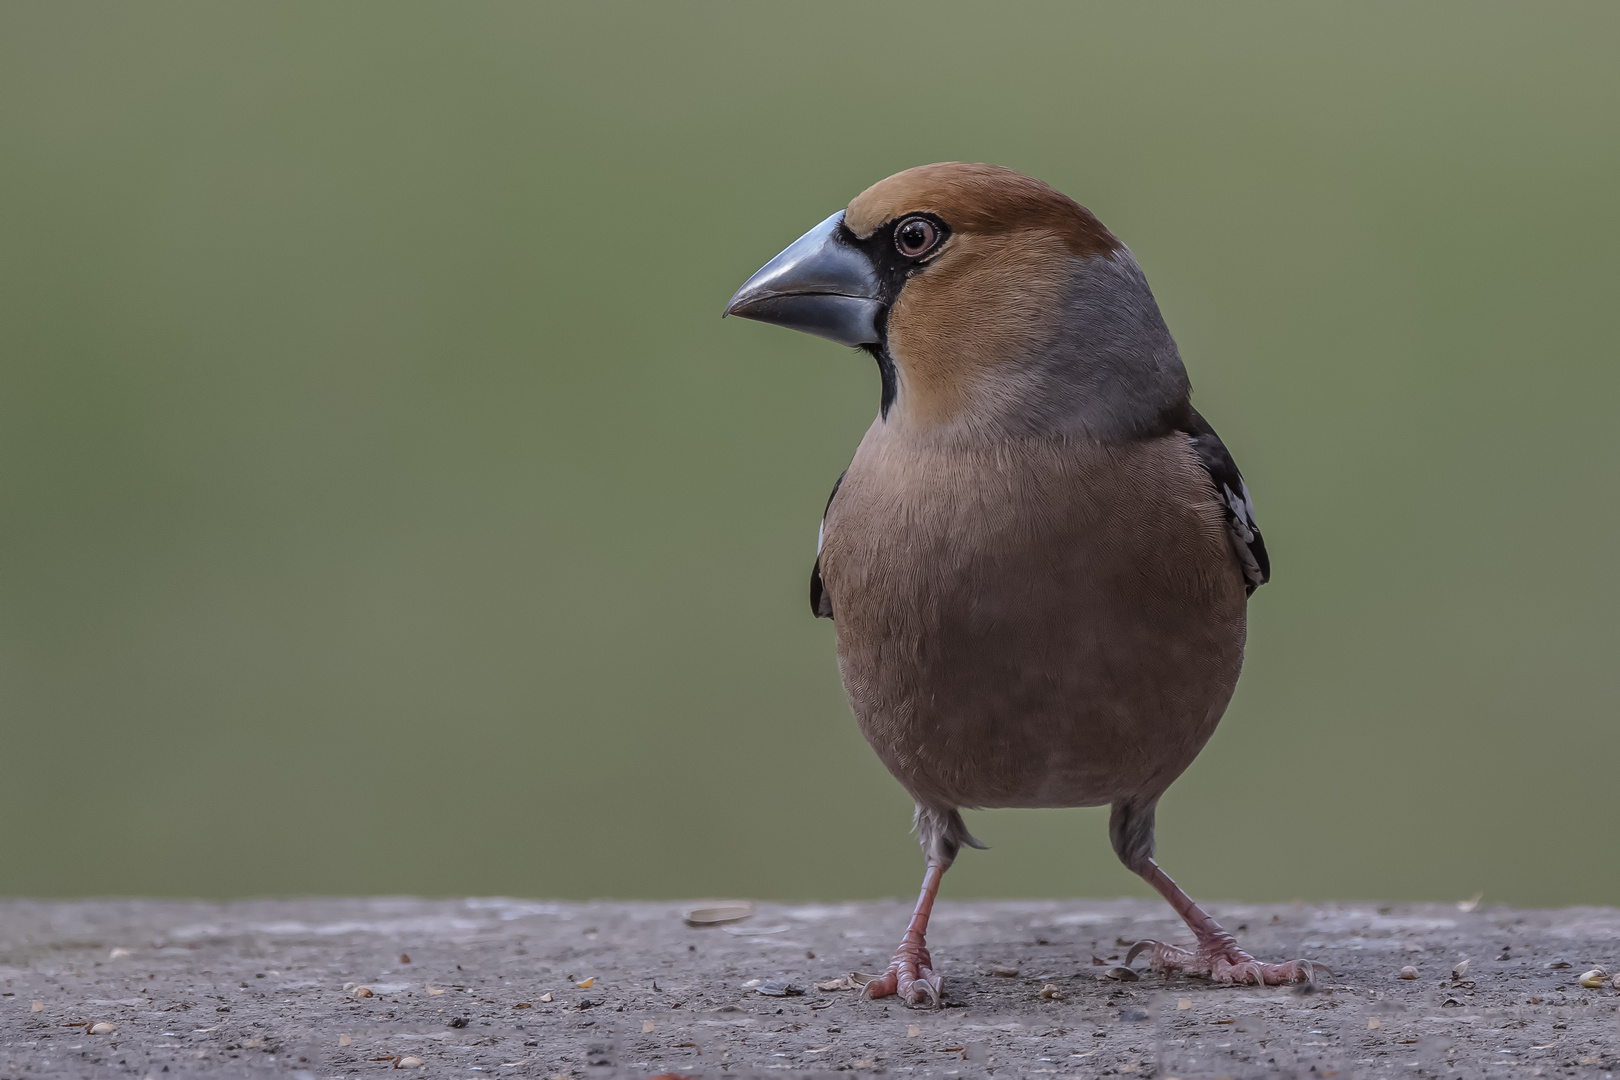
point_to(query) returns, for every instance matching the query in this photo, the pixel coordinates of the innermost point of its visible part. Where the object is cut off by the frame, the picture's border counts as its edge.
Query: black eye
(915, 236)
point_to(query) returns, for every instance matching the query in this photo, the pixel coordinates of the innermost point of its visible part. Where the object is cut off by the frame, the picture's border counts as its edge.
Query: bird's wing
(820, 602)
(1241, 526)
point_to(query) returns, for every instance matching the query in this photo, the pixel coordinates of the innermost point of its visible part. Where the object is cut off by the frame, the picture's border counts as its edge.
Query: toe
(883, 986)
(1241, 970)
(1162, 957)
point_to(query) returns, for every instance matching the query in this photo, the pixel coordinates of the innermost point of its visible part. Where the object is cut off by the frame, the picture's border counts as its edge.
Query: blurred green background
(384, 506)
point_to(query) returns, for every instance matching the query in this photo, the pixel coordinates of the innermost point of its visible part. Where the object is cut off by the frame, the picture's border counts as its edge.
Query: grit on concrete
(517, 988)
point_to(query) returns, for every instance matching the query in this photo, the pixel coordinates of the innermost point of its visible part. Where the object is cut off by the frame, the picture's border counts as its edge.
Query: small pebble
(410, 1063)
(546, 996)
(103, 1028)
(1408, 972)
(344, 1040)
(118, 954)
(779, 988)
(1004, 970)
(362, 991)
(1594, 978)
(37, 1006)
(1460, 970)
(1049, 992)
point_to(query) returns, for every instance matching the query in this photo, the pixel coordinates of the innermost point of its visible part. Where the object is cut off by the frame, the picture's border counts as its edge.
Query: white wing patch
(1242, 514)
(1241, 525)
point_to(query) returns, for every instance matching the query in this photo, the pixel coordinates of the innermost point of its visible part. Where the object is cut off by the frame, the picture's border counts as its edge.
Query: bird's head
(987, 297)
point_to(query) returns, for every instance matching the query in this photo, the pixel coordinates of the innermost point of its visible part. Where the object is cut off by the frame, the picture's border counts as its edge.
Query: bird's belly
(1064, 660)
(980, 712)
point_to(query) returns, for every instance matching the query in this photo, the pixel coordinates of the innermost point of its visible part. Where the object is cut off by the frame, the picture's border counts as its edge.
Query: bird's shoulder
(820, 600)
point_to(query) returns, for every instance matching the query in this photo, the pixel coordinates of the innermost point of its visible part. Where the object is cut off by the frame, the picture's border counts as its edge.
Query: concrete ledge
(504, 988)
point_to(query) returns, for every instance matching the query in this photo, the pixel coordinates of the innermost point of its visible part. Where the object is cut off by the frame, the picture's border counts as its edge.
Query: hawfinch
(1039, 560)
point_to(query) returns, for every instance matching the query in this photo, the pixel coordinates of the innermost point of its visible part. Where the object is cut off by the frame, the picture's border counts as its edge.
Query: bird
(1039, 560)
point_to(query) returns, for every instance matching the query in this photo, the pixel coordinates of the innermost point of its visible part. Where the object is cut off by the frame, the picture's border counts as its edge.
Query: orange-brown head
(990, 300)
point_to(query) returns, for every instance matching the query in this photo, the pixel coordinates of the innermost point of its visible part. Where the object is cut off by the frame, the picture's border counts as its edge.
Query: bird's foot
(1220, 960)
(909, 976)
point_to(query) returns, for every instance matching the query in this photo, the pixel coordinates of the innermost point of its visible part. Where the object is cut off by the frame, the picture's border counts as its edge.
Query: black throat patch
(893, 271)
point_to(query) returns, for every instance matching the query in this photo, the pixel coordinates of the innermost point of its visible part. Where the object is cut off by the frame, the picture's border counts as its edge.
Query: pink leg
(1217, 955)
(910, 974)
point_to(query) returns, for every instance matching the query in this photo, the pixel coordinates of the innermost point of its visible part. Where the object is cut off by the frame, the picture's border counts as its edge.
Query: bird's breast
(1037, 623)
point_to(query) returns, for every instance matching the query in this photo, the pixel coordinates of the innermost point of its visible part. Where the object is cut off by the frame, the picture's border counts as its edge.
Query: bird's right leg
(910, 974)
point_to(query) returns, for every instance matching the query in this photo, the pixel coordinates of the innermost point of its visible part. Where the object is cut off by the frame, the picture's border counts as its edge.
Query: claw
(925, 990)
(1139, 948)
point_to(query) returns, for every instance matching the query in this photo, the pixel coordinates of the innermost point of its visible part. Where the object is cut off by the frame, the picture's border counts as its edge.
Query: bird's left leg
(910, 974)
(1130, 827)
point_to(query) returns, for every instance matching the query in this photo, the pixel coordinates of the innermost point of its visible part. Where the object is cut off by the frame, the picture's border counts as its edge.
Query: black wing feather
(1247, 543)
(820, 602)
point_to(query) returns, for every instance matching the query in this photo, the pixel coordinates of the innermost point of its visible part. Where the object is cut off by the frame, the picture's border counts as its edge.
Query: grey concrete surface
(503, 988)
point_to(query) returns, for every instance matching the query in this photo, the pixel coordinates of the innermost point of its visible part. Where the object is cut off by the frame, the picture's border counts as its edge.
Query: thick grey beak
(820, 285)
